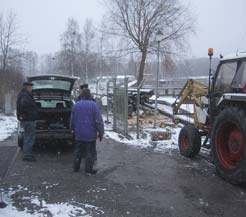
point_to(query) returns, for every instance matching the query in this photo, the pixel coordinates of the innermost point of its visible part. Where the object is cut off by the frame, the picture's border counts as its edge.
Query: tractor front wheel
(228, 145)
(189, 141)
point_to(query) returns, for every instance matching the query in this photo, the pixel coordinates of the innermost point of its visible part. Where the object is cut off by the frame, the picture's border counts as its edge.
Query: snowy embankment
(167, 101)
(35, 206)
(165, 105)
(146, 141)
(8, 125)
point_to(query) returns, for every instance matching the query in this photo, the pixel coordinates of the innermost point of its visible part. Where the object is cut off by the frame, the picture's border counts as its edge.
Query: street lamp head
(159, 36)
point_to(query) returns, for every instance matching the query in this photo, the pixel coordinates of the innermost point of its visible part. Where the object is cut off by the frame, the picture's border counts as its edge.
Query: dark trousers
(29, 138)
(94, 151)
(84, 149)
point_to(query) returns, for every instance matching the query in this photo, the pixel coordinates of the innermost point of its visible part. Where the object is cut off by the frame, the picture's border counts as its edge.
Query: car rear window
(51, 84)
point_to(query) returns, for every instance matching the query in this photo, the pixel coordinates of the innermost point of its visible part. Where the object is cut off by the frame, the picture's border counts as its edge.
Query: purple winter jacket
(86, 121)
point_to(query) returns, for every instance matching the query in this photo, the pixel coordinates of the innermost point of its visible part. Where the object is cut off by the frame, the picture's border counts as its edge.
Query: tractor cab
(229, 82)
(230, 75)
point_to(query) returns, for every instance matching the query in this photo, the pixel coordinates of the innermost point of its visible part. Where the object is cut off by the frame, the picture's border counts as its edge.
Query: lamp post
(101, 56)
(159, 37)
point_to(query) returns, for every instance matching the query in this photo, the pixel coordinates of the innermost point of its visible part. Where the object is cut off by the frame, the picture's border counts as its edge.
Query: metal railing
(114, 103)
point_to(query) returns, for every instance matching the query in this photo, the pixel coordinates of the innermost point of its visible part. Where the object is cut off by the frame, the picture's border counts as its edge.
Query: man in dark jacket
(27, 115)
(87, 124)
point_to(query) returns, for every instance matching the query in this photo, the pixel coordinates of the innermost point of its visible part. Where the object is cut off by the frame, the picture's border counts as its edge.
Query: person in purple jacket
(87, 125)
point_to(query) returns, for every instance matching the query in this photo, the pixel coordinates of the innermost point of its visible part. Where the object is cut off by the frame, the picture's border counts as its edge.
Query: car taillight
(244, 88)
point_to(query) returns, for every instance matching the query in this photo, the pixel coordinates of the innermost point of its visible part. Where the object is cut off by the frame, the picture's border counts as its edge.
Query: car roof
(56, 76)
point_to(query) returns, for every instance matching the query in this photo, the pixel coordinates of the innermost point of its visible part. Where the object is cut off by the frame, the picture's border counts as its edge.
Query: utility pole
(101, 56)
(159, 36)
(86, 68)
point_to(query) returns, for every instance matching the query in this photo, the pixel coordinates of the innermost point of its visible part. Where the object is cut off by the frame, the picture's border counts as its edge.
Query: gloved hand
(100, 136)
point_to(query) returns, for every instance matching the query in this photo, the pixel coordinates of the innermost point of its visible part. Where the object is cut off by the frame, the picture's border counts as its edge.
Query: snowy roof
(184, 78)
(54, 75)
(237, 55)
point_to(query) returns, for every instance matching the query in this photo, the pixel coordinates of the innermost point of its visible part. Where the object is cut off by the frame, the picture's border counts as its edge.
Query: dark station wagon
(53, 97)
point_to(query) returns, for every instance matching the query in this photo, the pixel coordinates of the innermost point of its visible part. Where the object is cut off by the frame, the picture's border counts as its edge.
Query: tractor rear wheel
(228, 140)
(189, 141)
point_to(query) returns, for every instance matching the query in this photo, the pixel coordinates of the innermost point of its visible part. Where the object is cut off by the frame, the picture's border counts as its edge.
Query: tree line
(125, 43)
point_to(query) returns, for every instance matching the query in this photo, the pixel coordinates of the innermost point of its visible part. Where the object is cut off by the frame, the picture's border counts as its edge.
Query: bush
(10, 83)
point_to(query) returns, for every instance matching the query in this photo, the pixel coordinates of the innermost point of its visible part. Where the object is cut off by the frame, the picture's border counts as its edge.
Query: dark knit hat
(27, 83)
(83, 86)
(86, 94)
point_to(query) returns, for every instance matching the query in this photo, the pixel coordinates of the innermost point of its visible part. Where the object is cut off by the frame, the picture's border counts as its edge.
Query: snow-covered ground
(38, 207)
(8, 125)
(164, 104)
(146, 141)
(168, 101)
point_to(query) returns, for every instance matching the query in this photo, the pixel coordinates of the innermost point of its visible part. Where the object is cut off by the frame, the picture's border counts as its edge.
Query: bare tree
(30, 62)
(139, 20)
(9, 37)
(71, 43)
(89, 35)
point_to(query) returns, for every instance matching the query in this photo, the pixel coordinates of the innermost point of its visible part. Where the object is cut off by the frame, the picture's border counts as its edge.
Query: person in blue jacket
(87, 125)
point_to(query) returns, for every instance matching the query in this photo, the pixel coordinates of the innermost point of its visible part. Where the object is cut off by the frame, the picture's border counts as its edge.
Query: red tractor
(221, 118)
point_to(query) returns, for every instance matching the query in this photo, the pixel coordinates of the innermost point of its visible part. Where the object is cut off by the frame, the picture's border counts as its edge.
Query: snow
(169, 110)
(188, 107)
(166, 108)
(168, 99)
(40, 207)
(11, 211)
(146, 142)
(132, 83)
(185, 78)
(8, 125)
(142, 143)
(63, 210)
(184, 118)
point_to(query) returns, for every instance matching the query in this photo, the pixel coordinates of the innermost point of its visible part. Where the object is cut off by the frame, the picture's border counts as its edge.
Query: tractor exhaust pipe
(210, 54)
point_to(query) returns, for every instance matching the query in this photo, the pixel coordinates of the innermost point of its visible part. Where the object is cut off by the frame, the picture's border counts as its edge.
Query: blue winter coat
(86, 121)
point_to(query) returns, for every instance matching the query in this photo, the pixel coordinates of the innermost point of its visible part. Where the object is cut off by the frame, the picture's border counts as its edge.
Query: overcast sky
(219, 23)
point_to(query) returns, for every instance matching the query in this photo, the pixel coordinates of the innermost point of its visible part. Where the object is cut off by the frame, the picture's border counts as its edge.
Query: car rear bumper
(50, 135)
(53, 135)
